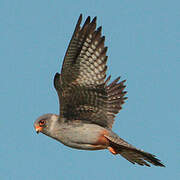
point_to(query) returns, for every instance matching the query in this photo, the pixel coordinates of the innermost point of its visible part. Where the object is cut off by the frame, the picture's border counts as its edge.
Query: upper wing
(85, 52)
(82, 89)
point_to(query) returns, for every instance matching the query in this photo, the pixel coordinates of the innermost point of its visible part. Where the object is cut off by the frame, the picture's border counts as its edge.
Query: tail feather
(140, 157)
(133, 155)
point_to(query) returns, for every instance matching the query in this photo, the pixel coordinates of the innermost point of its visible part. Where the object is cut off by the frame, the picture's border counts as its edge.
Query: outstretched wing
(82, 89)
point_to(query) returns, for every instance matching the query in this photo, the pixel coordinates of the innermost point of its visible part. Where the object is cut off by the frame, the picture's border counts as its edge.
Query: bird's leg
(112, 150)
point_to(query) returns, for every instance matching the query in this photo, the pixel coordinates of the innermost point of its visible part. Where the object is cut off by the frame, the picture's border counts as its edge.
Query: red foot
(112, 150)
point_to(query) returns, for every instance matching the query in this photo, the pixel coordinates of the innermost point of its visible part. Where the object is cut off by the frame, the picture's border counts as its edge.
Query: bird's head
(46, 123)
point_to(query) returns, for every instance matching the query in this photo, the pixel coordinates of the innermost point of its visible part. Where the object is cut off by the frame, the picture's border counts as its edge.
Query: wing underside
(84, 93)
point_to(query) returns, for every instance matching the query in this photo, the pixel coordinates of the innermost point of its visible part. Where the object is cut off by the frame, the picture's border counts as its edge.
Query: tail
(129, 152)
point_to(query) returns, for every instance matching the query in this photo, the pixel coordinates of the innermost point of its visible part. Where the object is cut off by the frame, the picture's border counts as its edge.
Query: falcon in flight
(88, 102)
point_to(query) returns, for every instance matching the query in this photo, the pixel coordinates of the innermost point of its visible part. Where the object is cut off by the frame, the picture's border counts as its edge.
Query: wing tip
(56, 79)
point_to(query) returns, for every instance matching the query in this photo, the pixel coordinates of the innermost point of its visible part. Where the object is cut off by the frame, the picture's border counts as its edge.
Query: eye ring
(42, 122)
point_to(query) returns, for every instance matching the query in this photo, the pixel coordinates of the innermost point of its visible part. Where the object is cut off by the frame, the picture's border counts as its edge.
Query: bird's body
(77, 134)
(88, 103)
(81, 136)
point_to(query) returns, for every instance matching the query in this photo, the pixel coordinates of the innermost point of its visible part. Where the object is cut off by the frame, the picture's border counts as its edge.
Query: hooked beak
(38, 129)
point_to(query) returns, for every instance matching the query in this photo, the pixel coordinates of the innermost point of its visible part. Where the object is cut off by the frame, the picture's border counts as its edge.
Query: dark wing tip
(99, 29)
(103, 38)
(80, 17)
(88, 20)
(94, 19)
(56, 80)
(78, 24)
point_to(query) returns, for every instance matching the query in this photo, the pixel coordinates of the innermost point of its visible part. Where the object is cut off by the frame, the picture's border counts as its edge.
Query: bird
(88, 101)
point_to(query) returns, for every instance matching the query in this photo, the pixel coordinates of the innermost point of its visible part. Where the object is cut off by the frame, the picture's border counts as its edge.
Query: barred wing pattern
(84, 94)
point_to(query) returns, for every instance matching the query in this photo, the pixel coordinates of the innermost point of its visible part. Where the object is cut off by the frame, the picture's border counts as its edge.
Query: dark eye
(42, 122)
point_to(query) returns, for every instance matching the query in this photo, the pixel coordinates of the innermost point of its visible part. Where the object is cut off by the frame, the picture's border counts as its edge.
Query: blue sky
(143, 42)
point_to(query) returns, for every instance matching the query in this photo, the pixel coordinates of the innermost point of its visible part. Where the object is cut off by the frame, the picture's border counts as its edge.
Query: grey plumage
(88, 102)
